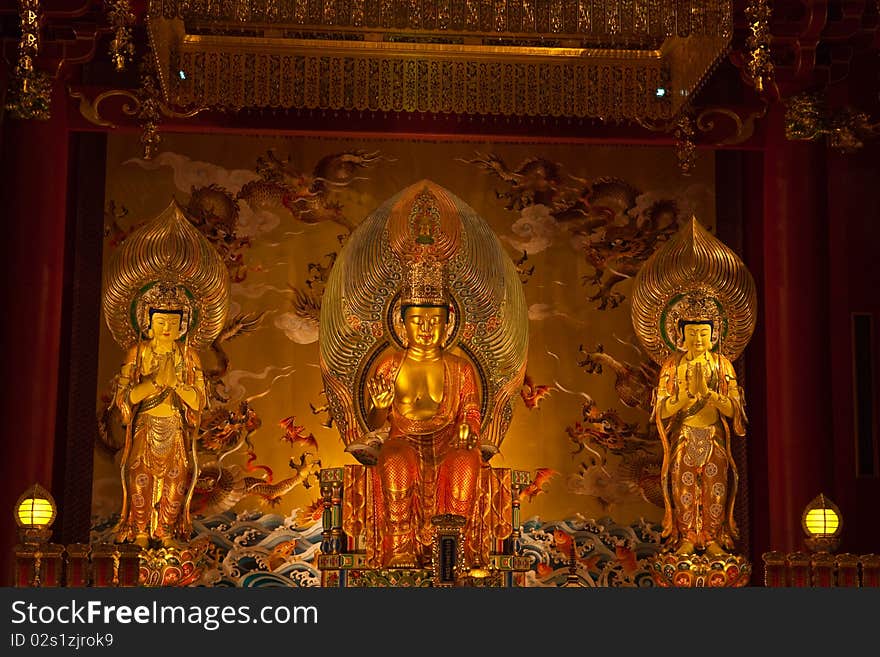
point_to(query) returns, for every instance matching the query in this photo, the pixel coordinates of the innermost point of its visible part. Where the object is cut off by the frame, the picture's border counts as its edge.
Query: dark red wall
(854, 246)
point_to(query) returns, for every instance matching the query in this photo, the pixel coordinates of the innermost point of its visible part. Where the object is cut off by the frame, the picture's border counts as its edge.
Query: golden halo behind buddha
(423, 246)
(166, 263)
(693, 276)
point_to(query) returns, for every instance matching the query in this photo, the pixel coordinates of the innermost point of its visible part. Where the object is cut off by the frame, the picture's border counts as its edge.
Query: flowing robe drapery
(158, 460)
(699, 476)
(423, 472)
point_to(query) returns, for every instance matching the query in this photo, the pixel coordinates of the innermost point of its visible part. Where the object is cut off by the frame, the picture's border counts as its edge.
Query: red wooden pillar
(34, 198)
(795, 302)
(853, 210)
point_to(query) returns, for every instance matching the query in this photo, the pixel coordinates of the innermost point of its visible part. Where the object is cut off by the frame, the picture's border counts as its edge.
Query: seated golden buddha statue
(423, 336)
(166, 294)
(693, 309)
(429, 464)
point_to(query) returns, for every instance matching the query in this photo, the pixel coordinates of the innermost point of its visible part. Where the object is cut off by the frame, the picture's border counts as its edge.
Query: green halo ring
(664, 316)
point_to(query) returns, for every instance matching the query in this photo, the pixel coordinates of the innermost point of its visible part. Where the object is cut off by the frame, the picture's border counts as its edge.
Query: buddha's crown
(424, 284)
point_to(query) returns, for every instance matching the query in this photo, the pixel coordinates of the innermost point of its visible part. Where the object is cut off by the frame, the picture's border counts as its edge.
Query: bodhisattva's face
(697, 338)
(425, 325)
(165, 326)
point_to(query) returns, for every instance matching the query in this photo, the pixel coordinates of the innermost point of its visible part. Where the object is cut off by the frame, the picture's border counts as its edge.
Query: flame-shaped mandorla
(692, 274)
(167, 251)
(360, 310)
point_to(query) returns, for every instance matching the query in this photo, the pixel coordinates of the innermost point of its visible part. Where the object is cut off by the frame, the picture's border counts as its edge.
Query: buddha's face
(165, 326)
(697, 338)
(425, 325)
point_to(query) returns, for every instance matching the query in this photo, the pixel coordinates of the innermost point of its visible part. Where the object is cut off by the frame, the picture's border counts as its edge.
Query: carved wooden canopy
(614, 60)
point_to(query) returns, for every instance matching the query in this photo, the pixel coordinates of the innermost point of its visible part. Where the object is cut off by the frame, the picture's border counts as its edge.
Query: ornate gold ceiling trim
(513, 54)
(603, 59)
(620, 21)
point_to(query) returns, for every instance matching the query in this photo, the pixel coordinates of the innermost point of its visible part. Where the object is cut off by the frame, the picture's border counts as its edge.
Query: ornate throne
(344, 561)
(361, 327)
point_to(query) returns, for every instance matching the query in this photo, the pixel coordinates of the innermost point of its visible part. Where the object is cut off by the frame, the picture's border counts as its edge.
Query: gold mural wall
(578, 219)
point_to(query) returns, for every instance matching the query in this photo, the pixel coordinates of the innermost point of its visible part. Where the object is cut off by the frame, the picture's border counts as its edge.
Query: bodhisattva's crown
(168, 297)
(424, 284)
(697, 306)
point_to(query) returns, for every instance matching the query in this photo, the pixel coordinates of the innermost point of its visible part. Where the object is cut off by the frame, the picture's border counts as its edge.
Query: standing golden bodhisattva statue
(166, 293)
(160, 393)
(693, 309)
(697, 407)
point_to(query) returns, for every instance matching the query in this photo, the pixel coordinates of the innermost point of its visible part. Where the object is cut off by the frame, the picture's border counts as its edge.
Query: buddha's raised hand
(381, 392)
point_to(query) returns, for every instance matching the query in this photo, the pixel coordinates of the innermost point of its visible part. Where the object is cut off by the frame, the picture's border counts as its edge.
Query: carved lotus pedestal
(695, 571)
(173, 566)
